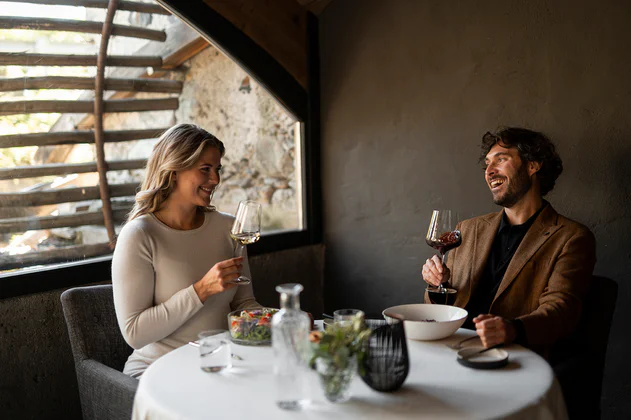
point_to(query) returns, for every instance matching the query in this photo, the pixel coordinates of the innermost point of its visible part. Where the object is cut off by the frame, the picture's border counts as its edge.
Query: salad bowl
(251, 327)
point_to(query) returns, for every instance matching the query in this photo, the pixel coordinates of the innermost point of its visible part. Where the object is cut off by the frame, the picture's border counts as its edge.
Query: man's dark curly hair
(532, 146)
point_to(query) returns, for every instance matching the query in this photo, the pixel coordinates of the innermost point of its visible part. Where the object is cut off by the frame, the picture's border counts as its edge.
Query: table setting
(412, 361)
(436, 385)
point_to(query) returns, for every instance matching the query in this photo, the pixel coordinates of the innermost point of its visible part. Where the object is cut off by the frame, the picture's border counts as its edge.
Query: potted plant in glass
(336, 353)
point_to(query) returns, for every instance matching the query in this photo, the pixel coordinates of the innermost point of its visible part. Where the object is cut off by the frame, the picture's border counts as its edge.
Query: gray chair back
(92, 326)
(99, 352)
(579, 362)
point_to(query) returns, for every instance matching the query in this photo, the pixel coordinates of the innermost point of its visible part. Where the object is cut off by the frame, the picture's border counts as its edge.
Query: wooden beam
(27, 59)
(22, 224)
(182, 44)
(131, 6)
(115, 105)
(77, 137)
(63, 195)
(43, 24)
(188, 51)
(50, 256)
(87, 83)
(60, 169)
(278, 26)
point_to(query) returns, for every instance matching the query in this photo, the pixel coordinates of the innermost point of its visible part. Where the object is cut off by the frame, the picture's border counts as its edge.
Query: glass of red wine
(442, 236)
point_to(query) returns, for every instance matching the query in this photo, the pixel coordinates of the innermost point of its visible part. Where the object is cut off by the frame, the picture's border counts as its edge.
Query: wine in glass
(443, 237)
(246, 230)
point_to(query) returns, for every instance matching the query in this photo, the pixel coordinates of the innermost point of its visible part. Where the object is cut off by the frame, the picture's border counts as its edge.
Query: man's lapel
(542, 229)
(484, 235)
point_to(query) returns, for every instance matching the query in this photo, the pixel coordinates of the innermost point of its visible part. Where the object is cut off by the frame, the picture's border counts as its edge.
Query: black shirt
(506, 242)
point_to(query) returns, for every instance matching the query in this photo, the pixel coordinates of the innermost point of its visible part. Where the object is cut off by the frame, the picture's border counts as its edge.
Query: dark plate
(491, 359)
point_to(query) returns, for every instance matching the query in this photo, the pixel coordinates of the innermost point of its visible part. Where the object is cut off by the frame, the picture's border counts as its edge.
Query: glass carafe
(290, 342)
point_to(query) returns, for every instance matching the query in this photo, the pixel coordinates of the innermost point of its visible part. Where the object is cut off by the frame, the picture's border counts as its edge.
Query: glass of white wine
(246, 230)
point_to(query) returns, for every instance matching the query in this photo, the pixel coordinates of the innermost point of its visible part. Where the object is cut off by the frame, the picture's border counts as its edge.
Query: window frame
(304, 104)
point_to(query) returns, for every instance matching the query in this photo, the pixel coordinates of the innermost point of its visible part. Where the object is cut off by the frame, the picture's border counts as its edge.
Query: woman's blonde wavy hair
(177, 150)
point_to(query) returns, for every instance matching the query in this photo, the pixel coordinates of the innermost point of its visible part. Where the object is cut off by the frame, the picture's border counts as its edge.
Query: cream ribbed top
(153, 272)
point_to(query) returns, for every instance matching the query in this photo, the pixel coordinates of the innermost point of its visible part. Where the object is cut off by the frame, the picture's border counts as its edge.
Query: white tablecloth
(174, 387)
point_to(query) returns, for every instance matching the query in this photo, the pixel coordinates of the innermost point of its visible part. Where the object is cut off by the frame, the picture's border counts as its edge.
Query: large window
(50, 210)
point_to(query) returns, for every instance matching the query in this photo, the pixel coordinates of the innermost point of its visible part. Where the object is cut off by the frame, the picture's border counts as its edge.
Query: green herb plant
(338, 344)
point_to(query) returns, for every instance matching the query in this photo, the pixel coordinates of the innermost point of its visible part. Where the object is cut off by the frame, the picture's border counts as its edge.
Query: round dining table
(437, 387)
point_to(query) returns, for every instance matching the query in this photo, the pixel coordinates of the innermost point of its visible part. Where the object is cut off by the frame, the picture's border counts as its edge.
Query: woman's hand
(434, 272)
(218, 279)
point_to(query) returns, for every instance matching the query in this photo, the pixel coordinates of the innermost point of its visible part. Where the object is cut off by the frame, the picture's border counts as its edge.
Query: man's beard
(517, 188)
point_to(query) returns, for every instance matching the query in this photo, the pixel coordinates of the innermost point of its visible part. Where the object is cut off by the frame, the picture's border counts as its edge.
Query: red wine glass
(442, 236)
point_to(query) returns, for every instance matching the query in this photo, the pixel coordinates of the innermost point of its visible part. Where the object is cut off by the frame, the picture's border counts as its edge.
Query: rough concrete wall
(37, 379)
(408, 89)
(37, 376)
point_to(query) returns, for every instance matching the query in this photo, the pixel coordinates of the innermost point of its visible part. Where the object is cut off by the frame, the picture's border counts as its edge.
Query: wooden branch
(76, 137)
(22, 224)
(50, 256)
(87, 83)
(102, 4)
(60, 169)
(115, 105)
(99, 135)
(83, 26)
(63, 195)
(27, 59)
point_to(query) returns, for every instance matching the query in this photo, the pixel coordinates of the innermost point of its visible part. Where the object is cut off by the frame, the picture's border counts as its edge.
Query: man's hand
(434, 272)
(494, 330)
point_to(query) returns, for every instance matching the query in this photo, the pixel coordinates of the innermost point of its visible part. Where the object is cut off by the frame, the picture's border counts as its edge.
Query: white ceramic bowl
(448, 320)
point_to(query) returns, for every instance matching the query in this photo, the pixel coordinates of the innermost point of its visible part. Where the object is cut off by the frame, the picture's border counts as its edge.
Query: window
(49, 206)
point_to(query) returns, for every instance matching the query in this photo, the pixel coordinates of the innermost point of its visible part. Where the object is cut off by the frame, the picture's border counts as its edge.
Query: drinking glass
(214, 350)
(345, 316)
(386, 363)
(246, 230)
(442, 236)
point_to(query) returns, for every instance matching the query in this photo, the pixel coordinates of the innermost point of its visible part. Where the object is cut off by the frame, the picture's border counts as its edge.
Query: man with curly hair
(524, 272)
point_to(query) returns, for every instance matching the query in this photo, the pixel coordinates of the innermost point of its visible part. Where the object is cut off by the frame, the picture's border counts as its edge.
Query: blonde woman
(173, 267)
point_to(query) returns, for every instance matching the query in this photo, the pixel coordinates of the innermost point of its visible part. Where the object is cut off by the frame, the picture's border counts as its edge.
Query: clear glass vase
(290, 342)
(335, 380)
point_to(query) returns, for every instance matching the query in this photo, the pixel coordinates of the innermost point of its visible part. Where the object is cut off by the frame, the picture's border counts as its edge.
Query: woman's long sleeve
(133, 279)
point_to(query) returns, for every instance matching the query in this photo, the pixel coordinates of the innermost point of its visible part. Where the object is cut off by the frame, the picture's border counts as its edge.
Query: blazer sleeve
(561, 303)
(141, 321)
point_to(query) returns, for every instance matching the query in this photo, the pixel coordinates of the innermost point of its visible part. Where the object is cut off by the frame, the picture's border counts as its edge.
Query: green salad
(252, 325)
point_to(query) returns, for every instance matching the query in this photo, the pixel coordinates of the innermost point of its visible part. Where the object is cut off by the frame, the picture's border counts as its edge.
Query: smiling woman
(173, 271)
(189, 153)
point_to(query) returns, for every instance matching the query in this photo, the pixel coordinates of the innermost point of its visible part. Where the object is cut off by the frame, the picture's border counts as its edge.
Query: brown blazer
(545, 283)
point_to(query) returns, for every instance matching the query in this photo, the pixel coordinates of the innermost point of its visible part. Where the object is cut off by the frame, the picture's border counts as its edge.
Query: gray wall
(37, 377)
(408, 89)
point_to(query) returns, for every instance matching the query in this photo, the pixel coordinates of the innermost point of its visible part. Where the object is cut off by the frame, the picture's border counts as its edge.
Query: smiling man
(522, 273)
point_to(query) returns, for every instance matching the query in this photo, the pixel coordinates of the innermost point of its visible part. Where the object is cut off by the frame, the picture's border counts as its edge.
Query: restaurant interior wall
(408, 89)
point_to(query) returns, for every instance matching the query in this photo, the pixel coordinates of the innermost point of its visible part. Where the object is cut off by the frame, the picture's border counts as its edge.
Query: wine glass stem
(441, 287)
(238, 249)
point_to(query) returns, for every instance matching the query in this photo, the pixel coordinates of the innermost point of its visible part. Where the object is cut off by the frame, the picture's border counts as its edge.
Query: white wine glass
(246, 230)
